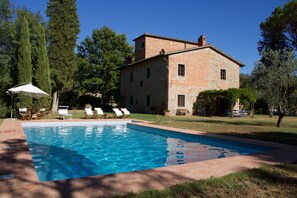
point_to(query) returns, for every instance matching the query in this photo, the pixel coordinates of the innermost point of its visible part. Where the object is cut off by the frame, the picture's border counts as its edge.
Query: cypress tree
(63, 31)
(6, 52)
(42, 73)
(24, 62)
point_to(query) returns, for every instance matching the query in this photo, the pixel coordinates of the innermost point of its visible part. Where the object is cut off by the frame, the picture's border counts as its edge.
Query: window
(148, 73)
(131, 76)
(181, 70)
(148, 100)
(142, 44)
(131, 100)
(223, 74)
(141, 83)
(181, 100)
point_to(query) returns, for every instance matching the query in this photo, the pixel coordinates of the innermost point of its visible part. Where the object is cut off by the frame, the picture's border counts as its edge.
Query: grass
(261, 127)
(268, 181)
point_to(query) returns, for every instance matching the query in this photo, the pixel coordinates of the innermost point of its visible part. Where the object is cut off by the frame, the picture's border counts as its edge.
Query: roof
(184, 51)
(166, 38)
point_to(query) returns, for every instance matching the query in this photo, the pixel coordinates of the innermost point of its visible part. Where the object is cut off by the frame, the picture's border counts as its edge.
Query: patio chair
(63, 114)
(99, 113)
(89, 113)
(24, 114)
(125, 112)
(117, 113)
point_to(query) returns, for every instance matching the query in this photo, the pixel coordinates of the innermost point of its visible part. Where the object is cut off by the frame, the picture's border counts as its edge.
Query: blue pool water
(72, 150)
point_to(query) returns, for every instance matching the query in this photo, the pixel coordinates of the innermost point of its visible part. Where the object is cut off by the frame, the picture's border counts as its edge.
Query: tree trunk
(231, 110)
(252, 110)
(280, 119)
(55, 101)
(270, 111)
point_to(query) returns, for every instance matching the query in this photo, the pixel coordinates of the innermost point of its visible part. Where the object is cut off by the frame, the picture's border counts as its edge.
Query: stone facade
(160, 89)
(202, 72)
(143, 86)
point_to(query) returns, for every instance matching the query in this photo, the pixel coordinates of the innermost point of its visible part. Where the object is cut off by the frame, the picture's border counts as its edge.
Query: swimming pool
(65, 150)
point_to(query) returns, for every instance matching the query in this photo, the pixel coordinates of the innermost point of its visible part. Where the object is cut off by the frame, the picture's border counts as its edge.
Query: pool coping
(16, 160)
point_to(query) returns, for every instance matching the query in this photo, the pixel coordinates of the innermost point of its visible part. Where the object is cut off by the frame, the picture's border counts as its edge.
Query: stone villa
(168, 74)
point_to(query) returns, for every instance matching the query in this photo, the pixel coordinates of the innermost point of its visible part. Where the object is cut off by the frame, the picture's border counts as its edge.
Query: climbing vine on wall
(232, 95)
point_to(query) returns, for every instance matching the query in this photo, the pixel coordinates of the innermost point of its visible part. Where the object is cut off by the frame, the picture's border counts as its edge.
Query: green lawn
(269, 181)
(261, 127)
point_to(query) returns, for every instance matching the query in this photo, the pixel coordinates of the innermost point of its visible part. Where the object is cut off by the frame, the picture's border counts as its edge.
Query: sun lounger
(63, 114)
(125, 112)
(99, 113)
(89, 113)
(117, 113)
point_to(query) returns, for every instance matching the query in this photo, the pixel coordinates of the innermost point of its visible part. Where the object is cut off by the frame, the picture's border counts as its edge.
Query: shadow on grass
(271, 136)
(267, 181)
(275, 175)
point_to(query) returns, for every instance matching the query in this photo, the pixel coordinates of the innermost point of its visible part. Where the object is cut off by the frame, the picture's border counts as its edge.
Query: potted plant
(167, 112)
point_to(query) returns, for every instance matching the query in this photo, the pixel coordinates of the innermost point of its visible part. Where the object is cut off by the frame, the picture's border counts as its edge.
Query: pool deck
(15, 159)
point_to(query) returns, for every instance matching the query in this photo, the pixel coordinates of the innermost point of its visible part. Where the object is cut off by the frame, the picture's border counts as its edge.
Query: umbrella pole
(11, 111)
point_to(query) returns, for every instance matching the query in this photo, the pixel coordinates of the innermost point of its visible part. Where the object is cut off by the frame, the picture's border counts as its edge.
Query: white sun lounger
(99, 112)
(117, 113)
(63, 113)
(126, 112)
(89, 113)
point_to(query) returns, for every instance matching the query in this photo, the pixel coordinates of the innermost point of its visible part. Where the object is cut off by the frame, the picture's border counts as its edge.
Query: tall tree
(275, 78)
(63, 31)
(245, 81)
(42, 72)
(279, 31)
(102, 55)
(24, 61)
(6, 49)
(34, 20)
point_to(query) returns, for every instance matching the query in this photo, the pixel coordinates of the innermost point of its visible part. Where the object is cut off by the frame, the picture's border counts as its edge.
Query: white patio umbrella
(28, 90)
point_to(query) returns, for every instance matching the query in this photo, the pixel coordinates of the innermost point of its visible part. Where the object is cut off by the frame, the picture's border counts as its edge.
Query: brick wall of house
(155, 86)
(203, 69)
(139, 48)
(147, 46)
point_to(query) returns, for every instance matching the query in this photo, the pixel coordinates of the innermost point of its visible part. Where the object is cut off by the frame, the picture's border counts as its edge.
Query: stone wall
(202, 73)
(141, 86)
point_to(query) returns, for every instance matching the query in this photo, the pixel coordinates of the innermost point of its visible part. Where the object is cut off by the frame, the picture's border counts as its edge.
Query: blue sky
(230, 25)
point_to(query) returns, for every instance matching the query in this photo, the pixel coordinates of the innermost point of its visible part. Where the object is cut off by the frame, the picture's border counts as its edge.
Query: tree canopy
(24, 61)
(42, 72)
(63, 31)
(279, 31)
(99, 58)
(275, 78)
(6, 51)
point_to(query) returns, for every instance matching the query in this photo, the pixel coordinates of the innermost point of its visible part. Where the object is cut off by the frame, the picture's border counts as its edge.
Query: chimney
(202, 40)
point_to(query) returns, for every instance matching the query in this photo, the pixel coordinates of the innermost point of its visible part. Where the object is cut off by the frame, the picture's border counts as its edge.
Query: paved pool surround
(15, 159)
